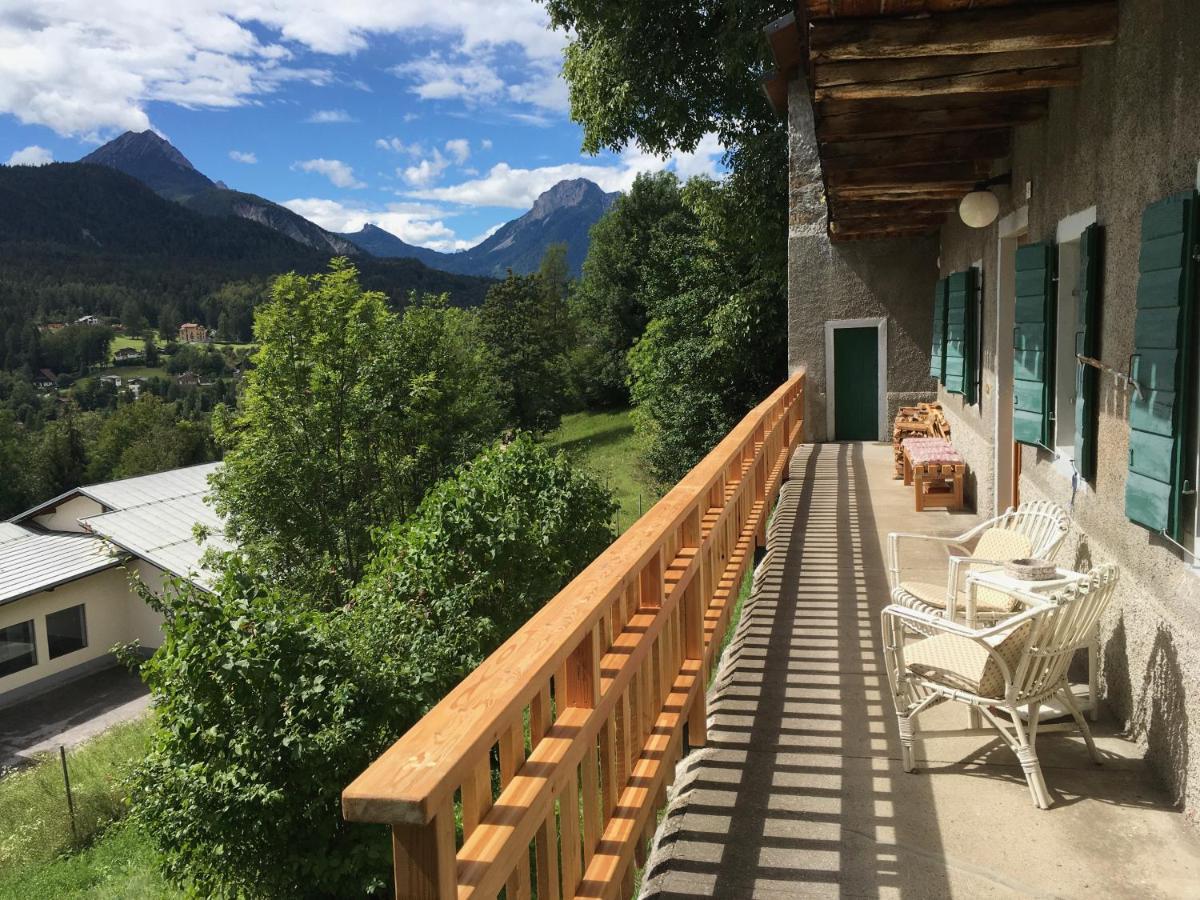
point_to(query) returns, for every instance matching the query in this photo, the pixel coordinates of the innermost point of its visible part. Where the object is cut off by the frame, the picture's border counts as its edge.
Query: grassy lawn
(604, 443)
(40, 857)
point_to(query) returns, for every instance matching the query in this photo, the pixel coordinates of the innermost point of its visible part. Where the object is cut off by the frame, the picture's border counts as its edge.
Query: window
(17, 648)
(1068, 337)
(66, 631)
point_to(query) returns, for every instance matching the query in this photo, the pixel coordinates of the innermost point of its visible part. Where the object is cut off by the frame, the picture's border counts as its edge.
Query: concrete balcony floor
(800, 791)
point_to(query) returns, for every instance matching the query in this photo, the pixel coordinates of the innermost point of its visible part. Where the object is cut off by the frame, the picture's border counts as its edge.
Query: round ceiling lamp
(979, 209)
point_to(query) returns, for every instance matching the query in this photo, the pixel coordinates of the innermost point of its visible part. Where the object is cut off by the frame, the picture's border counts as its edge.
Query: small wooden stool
(939, 484)
(935, 470)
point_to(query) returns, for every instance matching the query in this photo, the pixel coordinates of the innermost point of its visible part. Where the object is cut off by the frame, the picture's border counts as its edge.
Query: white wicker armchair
(1020, 662)
(1033, 529)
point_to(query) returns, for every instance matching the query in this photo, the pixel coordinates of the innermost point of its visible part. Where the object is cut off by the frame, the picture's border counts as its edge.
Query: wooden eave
(915, 100)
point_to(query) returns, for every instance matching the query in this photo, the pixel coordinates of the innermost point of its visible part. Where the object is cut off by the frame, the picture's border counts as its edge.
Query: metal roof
(31, 561)
(155, 517)
(115, 495)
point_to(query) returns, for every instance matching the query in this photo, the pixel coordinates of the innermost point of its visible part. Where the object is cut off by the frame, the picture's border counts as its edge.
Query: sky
(438, 120)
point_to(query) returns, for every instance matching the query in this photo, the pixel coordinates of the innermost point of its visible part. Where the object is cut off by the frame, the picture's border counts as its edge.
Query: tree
(268, 707)
(347, 417)
(525, 323)
(144, 437)
(485, 550)
(665, 75)
(607, 303)
(60, 458)
(716, 341)
(169, 320)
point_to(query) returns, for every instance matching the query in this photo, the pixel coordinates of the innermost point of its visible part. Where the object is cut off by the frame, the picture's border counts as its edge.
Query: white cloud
(250, 158)
(436, 78)
(478, 79)
(415, 223)
(516, 188)
(33, 155)
(427, 171)
(329, 117)
(395, 145)
(459, 150)
(87, 72)
(486, 143)
(339, 174)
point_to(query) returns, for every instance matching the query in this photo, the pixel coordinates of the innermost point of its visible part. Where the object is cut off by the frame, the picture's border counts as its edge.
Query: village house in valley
(65, 569)
(192, 333)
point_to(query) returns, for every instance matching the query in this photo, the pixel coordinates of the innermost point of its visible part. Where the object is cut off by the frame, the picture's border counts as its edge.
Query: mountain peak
(566, 194)
(153, 160)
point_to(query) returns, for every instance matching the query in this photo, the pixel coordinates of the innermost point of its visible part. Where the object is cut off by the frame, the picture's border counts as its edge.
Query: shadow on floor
(800, 791)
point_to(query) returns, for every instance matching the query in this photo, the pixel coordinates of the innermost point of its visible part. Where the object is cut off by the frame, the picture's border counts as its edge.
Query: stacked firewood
(922, 420)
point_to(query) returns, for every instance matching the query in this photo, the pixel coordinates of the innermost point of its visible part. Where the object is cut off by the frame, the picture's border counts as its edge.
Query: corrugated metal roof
(130, 492)
(32, 561)
(155, 517)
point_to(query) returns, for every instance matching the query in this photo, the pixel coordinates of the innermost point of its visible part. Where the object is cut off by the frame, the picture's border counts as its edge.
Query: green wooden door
(856, 384)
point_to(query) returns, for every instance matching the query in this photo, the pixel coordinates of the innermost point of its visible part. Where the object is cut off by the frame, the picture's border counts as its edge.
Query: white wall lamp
(980, 208)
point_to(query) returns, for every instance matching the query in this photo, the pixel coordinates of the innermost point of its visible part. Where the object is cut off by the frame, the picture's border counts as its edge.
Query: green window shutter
(1033, 344)
(1158, 412)
(960, 335)
(937, 355)
(1087, 343)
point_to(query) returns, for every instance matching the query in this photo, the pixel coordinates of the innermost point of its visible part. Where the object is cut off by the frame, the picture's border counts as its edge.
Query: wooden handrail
(580, 716)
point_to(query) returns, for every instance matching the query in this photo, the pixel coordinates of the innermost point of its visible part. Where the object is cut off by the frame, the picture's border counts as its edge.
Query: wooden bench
(936, 471)
(922, 420)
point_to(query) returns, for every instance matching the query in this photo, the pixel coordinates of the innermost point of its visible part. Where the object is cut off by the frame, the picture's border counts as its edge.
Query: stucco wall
(1127, 137)
(114, 614)
(66, 516)
(105, 595)
(856, 280)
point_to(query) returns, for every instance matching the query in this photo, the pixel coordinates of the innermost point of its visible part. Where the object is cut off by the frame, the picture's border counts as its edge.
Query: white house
(66, 565)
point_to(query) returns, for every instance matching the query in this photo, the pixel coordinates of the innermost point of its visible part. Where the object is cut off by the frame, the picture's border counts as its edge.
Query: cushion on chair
(927, 592)
(962, 663)
(998, 543)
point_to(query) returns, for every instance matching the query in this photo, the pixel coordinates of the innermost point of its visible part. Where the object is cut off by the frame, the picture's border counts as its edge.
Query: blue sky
(437, 120)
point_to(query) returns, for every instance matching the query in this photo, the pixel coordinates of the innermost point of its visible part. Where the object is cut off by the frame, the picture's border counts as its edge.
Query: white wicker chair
(1020, 662)
(1033, 529)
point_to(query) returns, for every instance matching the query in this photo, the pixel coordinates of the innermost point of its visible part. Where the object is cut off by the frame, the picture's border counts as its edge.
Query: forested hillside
(81, 239)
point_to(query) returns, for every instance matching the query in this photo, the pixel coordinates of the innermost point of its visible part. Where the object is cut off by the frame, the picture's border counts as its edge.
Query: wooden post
(583, 673)
(424, 858)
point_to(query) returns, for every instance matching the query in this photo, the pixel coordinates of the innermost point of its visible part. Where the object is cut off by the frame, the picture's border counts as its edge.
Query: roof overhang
(915, 100)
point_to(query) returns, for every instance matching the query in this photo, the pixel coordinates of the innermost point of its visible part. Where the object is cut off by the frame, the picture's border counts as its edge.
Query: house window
(66, 631)
(1070, 233)
(17, 648)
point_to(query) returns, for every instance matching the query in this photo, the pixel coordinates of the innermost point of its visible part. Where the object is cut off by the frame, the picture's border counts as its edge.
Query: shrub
(269, 708)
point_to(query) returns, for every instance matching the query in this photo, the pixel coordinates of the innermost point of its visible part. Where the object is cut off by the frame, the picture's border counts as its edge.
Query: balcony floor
(800, 792)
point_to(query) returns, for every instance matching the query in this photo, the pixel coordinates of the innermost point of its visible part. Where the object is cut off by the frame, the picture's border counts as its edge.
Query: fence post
(424, 858)
(62, 754)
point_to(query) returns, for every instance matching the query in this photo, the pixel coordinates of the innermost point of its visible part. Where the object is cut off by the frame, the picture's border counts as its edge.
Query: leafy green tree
(270, 707)
(526, 324)
(60, 459)
(14, 473)
(144, 437)
(485, 550)
(607, 302)
(716, 341)
(346, 419)
(665, 75)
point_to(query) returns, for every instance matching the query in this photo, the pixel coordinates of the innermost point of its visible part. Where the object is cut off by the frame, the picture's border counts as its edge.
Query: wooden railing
(544, 768)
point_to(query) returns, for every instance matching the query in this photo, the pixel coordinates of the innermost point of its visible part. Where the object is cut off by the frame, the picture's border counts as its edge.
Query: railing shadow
(796, 792)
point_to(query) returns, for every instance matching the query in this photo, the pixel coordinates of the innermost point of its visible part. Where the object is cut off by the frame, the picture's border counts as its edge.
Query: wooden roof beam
(898, 119)
(865, 209)
(953, 192)
(980, 73)
(911, 177)
(953, 146)
(999, 30)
